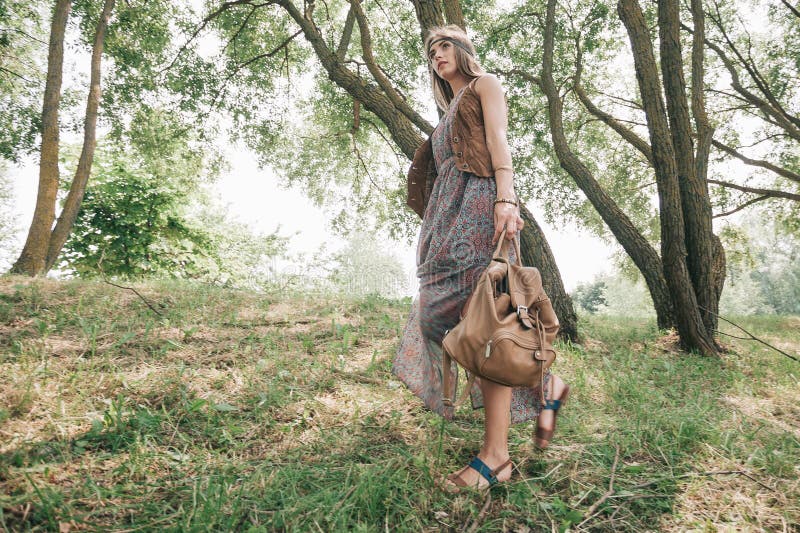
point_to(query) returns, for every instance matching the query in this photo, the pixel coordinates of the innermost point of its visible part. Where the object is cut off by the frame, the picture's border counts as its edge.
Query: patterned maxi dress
(455, 245)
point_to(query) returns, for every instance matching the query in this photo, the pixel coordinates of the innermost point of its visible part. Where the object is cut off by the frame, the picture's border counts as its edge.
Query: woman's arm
(495, 120)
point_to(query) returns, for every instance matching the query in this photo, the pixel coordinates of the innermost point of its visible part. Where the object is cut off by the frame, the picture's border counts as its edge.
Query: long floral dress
(455, 245)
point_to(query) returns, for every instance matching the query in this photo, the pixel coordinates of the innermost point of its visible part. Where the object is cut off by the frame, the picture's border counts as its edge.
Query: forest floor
(228, 410)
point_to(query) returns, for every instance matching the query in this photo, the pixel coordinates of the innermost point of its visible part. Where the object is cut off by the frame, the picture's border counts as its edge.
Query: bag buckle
(520, 309)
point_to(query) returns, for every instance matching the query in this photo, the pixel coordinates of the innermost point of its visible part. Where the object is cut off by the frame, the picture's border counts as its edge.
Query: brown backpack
(507, 330)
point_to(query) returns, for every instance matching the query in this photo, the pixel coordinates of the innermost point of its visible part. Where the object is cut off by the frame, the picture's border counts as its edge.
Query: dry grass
(235, 409)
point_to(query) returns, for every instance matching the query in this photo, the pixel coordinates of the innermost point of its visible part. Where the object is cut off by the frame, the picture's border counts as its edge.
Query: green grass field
(261, 412)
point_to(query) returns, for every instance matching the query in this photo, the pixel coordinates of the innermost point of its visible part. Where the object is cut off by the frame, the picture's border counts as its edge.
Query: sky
(257, 198)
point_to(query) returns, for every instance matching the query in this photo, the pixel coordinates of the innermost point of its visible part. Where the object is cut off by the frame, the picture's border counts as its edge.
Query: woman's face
(443, 58)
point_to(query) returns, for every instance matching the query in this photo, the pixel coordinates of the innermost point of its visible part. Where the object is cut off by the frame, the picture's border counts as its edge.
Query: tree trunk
(453, 13)
(705, 134)
(372, 97)
(429, 15)
(691, 329)
(635, 245)
(695, 202)
(32, 259)
(536, 252)
(76, 191)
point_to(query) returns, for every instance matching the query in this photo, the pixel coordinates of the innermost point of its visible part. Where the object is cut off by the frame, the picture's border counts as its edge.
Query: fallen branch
(750, 336)
(710, 473)
(481, 514)
(590, 513)
(103, 274)
(268, 323)
(357, 376)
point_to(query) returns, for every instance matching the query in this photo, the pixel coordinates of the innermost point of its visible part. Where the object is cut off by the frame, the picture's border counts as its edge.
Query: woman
(465, 210)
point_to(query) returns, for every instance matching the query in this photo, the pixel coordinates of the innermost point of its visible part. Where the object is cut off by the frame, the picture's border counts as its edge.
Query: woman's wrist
(506, 194)
(509, 202)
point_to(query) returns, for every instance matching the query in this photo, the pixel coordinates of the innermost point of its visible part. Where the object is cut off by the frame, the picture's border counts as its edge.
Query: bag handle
(448, 396)
(501, 252)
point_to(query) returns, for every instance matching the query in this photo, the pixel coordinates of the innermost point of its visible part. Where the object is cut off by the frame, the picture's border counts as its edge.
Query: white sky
(257, 199)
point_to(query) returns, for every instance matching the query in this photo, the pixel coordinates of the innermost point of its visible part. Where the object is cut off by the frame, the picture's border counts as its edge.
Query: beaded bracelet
(506, 201)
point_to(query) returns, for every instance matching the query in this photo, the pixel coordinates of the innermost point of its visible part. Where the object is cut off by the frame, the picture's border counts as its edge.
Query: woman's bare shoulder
(488, 84)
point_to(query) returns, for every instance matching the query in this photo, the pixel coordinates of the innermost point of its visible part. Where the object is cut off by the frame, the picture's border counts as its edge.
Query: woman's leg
(494, 452)
(555, 391)
(497, 419)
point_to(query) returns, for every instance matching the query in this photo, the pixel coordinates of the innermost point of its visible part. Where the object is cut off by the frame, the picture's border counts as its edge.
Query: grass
(263, 412)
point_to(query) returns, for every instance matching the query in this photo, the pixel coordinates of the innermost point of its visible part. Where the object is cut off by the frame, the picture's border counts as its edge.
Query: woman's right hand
(506, 217)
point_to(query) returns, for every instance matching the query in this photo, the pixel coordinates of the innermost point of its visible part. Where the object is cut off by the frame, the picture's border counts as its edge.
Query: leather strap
(501, 252)
(553, 405)
(483, 469)
(448, 395)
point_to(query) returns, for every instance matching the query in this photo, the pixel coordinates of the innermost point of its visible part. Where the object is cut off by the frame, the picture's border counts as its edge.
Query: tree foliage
(363, 267)
(146, 212)
(22, 51)
(134, 215)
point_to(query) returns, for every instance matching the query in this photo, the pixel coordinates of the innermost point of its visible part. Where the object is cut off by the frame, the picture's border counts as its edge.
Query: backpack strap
(448, 395)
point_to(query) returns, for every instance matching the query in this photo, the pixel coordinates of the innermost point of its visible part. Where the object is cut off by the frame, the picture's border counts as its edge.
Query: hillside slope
(227, 410)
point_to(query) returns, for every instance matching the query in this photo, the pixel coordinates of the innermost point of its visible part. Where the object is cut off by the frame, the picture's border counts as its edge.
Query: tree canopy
(653, 125)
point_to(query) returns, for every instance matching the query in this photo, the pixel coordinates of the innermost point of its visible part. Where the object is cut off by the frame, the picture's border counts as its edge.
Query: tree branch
(764, 106)
(377, 73)
(590, 512)
(16, 75)
(26, 34)
(232, 40)
(744, 205)
(250, 61)
(753, 337)
(786, 173)
(771, 193)
(358, 155)
(404, 132)
(347, 34)
(137, 293)
(615, 124)
(223, 8)
(793, 9)
(705, 132)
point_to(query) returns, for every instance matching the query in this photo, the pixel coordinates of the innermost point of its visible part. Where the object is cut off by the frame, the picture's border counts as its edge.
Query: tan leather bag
(507, 331)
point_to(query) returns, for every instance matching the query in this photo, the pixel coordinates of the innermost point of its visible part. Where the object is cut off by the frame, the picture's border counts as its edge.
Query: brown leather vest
(469, 144)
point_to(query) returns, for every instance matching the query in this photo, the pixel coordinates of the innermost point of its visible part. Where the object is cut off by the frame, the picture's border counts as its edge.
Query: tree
(146, 213)
(365, 98)
(43, 245)
(764, 267)
(590, 296)
(685, 294)
(364, 267)
(139, 41)
(685, 210)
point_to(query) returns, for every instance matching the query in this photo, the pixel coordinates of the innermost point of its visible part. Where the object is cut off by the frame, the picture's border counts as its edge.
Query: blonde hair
(466, 62)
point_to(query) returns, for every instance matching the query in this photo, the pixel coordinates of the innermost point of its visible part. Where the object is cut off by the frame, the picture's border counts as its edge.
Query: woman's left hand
(506, 216)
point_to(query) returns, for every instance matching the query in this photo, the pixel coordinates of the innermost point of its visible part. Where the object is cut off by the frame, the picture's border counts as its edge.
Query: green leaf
(225, 407)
